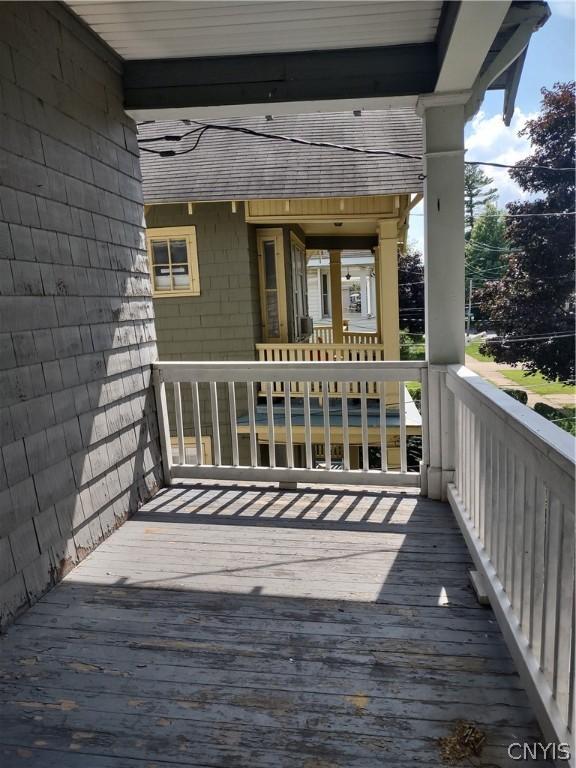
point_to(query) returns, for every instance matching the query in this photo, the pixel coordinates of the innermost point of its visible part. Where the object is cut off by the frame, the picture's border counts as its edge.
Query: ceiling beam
(464, 39)
(341, 242)
(359, 73)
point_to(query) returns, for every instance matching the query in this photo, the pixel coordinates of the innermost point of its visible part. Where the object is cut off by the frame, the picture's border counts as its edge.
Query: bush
(562, 417)
(415, 391)
(548, 411)
(520, 395)
(412, 346)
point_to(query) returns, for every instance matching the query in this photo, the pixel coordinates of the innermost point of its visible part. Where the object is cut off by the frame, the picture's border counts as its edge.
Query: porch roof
(236, 166)
(184, 59)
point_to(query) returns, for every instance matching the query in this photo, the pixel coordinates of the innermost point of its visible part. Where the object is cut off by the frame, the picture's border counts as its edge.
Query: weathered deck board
(247, 627)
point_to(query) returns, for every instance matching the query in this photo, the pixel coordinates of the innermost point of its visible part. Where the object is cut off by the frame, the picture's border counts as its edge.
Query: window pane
(162, 278)
(180, 276)
(270, 264)
(272, 316)
(160, 251)
(178, 251)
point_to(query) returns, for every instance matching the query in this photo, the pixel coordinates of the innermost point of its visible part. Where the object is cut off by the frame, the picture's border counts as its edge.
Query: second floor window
(173, 259)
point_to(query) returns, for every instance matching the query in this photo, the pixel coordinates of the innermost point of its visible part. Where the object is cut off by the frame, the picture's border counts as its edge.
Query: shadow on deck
(247, 627)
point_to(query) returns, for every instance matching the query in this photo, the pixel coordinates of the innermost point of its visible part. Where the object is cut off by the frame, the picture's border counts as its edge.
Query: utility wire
(519, 215)
(521, 340)
(203, 127)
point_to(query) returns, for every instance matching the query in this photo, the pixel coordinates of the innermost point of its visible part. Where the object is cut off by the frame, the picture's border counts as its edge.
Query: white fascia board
(475, 28)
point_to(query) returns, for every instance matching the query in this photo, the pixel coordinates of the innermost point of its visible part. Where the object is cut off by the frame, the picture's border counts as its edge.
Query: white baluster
(233, 430)
(252, 424)
(402, 409)
(215, 424)
(270, 420)
(179, 423)
(197, 422)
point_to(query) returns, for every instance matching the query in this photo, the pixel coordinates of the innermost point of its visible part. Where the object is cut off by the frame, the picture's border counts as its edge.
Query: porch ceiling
(167, 30)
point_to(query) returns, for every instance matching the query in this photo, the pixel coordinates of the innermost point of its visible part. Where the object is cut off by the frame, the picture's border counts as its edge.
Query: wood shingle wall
(78, 431)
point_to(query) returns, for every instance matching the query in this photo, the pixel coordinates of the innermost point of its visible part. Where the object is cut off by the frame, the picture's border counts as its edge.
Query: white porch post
(372, 295)
(364, 295)
(444, 276)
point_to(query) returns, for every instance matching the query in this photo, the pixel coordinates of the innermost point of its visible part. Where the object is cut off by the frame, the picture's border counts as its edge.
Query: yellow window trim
(176, 233)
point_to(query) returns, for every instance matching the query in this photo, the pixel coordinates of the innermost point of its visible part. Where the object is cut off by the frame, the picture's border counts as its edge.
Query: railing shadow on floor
(217, 504)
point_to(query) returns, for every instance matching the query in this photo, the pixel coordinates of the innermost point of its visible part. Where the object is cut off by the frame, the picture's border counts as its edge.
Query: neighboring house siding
(78, 429)
(224, 322)
(314, 297)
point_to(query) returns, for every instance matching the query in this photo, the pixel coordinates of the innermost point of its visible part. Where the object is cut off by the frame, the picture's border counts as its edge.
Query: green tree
(411, 291)
(486, 250)
(476, 196)
(486, 257)
(531, 307)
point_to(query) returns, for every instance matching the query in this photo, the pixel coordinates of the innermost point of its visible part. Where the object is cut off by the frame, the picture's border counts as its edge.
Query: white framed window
(173, 256)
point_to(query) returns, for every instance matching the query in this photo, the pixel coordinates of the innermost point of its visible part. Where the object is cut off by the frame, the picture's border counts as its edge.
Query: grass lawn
(538, 384)
(473, 349)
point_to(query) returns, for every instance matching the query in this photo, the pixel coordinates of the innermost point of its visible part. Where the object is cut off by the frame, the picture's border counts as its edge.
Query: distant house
(358, 286)
(251, 240)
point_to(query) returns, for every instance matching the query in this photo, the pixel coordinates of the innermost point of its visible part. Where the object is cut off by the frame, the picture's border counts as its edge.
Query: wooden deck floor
(245, 627)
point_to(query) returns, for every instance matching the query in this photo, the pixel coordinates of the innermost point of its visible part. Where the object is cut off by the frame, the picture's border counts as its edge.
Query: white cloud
(489, 139)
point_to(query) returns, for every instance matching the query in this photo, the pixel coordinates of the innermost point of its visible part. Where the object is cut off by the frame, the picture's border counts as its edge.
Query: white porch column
(364, 295)
(444, 274)
(372, 295)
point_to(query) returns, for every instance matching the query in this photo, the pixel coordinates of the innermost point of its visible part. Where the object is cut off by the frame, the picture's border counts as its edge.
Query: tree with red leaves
(531, 308)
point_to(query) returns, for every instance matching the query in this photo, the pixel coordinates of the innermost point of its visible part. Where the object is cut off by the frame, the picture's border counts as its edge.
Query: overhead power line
(522, 339)
(204, 127)
(519, 215)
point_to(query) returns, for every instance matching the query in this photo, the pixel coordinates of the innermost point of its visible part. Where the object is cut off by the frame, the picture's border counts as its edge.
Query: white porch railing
(315, 353)
(513, 495)
(360, 337)
(321, 353)
(326, 408)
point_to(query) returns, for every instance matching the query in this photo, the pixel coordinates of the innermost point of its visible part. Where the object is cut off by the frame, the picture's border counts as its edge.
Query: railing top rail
(556, 444)
(254, 370)
(344, 346)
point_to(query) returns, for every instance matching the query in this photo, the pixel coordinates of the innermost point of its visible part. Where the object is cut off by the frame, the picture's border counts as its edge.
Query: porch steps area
(236, 625)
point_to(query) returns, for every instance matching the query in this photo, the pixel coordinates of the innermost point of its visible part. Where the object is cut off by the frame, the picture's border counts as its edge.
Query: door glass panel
(272, 314)
(270, 264)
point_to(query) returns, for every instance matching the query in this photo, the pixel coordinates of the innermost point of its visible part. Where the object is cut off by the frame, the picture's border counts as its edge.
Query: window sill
(173, 294)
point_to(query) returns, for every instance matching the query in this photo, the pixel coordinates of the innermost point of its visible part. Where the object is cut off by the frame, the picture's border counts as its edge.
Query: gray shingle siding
(233, 166)
(76, 316)
(223, 323)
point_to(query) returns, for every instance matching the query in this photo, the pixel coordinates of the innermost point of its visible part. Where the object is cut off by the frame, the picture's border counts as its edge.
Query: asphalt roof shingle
(235, 166)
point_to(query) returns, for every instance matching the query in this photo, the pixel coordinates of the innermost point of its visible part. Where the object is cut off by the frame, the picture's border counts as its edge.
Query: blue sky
(550, 59)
